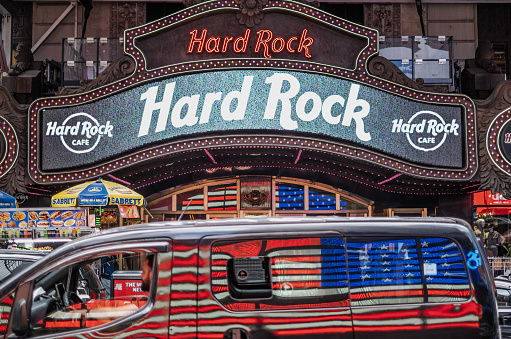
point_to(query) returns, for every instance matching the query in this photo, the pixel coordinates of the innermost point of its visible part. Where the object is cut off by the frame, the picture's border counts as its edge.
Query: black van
(324, 277)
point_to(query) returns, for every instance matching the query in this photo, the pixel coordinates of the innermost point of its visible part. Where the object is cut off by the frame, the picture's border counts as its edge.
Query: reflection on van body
(291, 278)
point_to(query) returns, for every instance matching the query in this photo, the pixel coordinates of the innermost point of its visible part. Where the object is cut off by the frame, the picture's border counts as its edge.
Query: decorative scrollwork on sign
(255, 198)
(385, 69)
(12, 168)
(251, 12)
(119, 69)
(491, 176)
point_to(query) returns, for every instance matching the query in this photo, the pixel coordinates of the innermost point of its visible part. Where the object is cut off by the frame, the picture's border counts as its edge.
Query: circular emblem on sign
(94, 189)
(21, 197)
(506, 141)
(426, 130)
(80, 132)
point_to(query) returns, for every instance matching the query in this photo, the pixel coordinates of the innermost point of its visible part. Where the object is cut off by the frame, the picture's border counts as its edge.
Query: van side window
(445, 270)
(406, 270)
(384, 271)
(5, 310)
(88, 293)
(280, 273)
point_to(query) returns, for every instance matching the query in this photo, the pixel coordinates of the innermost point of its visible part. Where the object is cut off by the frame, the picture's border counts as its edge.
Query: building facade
(240, 154)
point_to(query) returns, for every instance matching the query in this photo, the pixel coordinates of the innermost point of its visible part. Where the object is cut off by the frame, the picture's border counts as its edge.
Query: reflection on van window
(280, 273)
(87, 293)
(445, 271)
(309, 271)
(5, 310)
(384, 271)
(391, 271)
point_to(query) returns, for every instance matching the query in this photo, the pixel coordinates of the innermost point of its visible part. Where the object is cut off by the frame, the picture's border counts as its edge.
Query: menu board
(31, 218)
(129, 211)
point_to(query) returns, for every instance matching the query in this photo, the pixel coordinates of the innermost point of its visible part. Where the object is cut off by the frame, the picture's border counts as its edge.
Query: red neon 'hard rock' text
(265, 43)
(507, 138)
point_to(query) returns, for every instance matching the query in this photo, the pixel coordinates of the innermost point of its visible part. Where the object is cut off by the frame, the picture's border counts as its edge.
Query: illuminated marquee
(200, 71)
(266, 100)
(203, 37)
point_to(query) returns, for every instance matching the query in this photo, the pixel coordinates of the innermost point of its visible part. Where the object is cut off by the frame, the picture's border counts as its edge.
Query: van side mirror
(19, 318)
(249, 277)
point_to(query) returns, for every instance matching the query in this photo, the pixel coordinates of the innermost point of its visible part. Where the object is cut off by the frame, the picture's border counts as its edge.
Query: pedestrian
(108, 266)
(147, 273)
(478, 233)
(494, 240)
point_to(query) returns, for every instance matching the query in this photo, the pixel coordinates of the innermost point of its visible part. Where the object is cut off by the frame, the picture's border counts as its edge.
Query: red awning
(494, 210)
(486, 198)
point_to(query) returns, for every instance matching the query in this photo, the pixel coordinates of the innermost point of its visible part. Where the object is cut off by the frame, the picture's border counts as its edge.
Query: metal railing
(500, 265)
(84, 59)
(430, 58)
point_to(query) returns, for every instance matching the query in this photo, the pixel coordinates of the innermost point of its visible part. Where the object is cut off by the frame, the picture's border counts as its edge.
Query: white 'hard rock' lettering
(309, 106)
(87, 129)
(431, 126)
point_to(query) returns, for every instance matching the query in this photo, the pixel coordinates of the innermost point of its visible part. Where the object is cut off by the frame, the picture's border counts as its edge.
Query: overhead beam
(52, 27)
(120, 180)
(298, 156)
(389, 179)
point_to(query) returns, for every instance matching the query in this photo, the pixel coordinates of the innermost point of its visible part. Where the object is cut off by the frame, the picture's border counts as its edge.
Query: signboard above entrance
(298, 72)
(238, 100)
(285, 34)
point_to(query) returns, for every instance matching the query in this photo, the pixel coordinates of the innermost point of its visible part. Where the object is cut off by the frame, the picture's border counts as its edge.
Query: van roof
(352, 226)
(258, 227)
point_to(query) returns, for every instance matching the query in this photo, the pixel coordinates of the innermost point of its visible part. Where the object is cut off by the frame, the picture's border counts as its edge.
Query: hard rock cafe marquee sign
(284, 69)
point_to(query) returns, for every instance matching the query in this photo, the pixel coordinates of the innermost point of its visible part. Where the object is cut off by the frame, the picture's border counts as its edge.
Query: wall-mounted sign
(33, 217)
(488, 198)
(268, 100)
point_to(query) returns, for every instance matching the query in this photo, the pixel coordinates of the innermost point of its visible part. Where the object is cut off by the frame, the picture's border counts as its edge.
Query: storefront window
(256, 196)
(493, 213)
(194, 199)
(223, 197)
(321, 200)
(289, 196)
